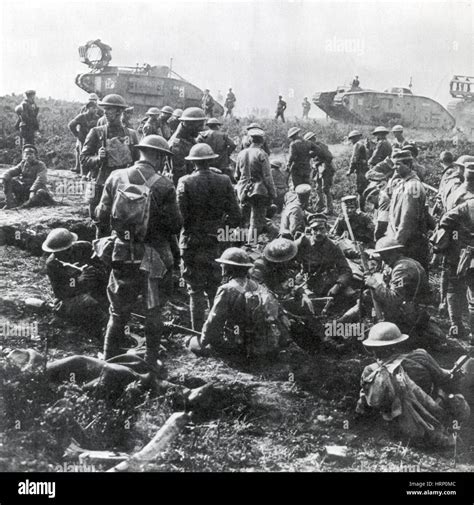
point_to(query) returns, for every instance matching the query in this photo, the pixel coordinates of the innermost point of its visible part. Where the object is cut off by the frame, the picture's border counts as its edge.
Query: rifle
(365, 267)
(177, 327)
(460, 363)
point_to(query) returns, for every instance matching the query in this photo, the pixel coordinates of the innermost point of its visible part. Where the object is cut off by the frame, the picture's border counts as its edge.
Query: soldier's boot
(114, 336)
(153, 332)
(197, 306)
(455, 316)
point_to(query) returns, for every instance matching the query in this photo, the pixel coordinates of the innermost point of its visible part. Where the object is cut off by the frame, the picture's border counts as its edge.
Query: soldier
(299, 158)
(459, 225)
(383, 149)
(462, 188)
(358, 165)
(94, 99)
(400, 140)
(325, 173)
(142, 258)
(80, 126)
(255, 187)
(410, 389)
(293, 218)
(24, 185)
(208, 203)
(449, 170)
(355, 84)
(173, 121)
(280, 179)
(280, 110)
(165, 114)
(361, 224)
(27, 122)
(306, 107)
(221, 144)
(207, 103)
(127, 117)
(418, 168)
(78, 281)
(400, 294)
(246, 140)
(407, 220)
(239, 321)
(379, 192)
(107, 148)
(191, 123)
(229, 103)
(328, 270)
(152, 125)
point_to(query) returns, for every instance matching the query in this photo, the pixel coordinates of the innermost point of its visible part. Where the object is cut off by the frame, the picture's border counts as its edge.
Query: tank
(142, 86)
(397, 105)
(461, 88)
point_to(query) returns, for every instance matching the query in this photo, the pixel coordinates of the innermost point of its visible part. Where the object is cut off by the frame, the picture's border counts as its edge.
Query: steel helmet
(446, 157)
(397, 128)
(303, 189)
(213, 121)
(380, 129)
(402, 155)
(154, 142)
(30, 92)
(280, 250)
(113, 101)
(462, 160)
(178, 113)
(293, 131)
(193, 114)
(384, 333)
(167, 110)
(235, 256)
(256, 132)
(412, 147)
(93, 97)
(253, 125)
(201, 151)
(309, 135)
(59, 239)
(354, 133)
(153, 111)
(387, 244)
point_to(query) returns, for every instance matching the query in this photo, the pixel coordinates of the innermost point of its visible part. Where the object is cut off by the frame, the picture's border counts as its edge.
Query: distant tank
(142, 86)
(461, 87)
(397, 105)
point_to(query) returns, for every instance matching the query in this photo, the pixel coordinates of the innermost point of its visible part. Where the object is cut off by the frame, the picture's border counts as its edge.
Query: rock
(337, 453)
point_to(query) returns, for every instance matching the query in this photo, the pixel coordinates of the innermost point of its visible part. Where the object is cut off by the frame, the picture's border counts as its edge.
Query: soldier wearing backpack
(140, 205)
(245, 318)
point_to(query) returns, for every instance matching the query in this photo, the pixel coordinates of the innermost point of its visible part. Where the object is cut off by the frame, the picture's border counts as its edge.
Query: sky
(260, 48)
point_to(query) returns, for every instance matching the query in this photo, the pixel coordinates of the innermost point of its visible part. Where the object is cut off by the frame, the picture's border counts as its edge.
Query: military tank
(141, 86)
(461, 88)
(397, 105)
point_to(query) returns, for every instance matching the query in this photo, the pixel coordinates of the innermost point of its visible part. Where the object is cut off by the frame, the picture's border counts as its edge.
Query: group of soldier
(162, 197)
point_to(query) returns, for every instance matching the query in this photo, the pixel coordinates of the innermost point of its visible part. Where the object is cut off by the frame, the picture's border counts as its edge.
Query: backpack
(266, 328)
(326, 152)
(131, 206)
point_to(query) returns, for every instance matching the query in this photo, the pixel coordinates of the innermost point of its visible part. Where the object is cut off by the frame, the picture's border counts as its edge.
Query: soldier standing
(299, 158)
(127, 117)
(221, 144)
(152, 125)
(107, 148)
(173, 121)
(255, 187)
(230, 103)
(280, 110)
(383, 149)
(399, 141)
(207, 203)
(80, 126)
(191, 123)
(246, 140)
(142, 258)
(280, 178)
(306, 107)
(165, 114)
(27, 122)
(358, 165)
(207, 103)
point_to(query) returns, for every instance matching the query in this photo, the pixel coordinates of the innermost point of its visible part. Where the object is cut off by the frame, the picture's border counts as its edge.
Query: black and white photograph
(236, 242)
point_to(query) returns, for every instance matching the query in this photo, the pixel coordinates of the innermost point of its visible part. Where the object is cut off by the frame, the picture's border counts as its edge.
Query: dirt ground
(276, 416)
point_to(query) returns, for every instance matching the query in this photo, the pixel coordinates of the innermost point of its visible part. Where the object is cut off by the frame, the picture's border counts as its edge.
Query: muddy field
(278, 416)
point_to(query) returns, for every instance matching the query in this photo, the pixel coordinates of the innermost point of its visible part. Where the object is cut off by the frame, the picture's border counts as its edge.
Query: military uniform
(280, 110)
(80, 126)
(324, 178)
(229, 103)
(139, 266)
(362, 227)
(306, 108)
(180, 144)
(325, 263)
(207, 105)
(383, 149)
(24, 178)
(222, 145)
(82, 301)
(28, 121)
(299, 162)
(164, 128)
(280, 180)
(293, 217)
(118, 142)
(204, 198)
(407, 218)
(247, 142)
(256, 186)
(358, 165)
(152, 126)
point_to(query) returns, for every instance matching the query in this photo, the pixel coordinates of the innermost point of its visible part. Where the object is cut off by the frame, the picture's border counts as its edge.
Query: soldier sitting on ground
(78, 281)
(361, 224)
(245, 319)
(25, 184)
(410, 389)
(293, 218)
